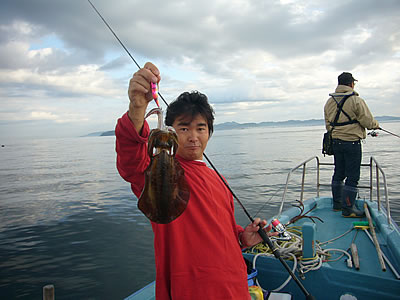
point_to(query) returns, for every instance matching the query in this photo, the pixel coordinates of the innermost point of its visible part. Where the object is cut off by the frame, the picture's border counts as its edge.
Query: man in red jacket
(198, 255)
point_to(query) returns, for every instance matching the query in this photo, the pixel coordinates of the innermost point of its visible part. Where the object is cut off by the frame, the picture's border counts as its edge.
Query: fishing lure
(154, 92)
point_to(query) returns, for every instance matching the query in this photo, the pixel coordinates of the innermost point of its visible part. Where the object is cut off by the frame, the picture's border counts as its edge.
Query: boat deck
(335, 271)
(146, 293)
(335, 225)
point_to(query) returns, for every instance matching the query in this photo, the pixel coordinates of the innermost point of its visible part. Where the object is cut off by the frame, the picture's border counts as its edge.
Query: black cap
(346, 78)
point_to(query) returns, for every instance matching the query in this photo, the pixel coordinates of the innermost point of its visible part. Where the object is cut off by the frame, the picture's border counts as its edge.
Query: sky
(63, 73)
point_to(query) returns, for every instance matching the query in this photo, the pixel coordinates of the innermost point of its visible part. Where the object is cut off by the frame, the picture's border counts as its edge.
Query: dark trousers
(347, 159)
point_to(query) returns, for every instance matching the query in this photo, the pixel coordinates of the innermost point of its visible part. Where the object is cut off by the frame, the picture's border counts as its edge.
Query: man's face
(192, 136)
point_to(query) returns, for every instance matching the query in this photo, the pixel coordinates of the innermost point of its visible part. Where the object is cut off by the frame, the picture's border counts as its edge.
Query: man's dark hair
(190, 105)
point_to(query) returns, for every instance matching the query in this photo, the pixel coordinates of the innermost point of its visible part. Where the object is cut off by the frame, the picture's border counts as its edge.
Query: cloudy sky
(62, 72)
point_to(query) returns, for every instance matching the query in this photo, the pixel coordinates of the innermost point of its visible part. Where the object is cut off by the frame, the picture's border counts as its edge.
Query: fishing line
(268, 200)
(123, 46)
(261, 232)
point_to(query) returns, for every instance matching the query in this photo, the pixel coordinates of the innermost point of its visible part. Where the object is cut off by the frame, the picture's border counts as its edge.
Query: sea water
(67, 218)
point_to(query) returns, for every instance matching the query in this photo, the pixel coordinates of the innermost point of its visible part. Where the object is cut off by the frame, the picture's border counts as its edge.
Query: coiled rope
(292, 250)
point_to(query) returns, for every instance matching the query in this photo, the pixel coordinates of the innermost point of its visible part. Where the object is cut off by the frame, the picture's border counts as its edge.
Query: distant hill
(99, 133)
(311, 122)
(108, 133)
(387, 119)
(235, 125)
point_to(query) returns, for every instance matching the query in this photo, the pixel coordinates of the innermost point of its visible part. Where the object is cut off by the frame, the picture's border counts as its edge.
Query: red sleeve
(239, 229)
(131, 148)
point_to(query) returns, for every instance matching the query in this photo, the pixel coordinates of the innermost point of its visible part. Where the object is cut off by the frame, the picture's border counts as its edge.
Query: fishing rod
(261, 232)
(380, 128)
(123, 46)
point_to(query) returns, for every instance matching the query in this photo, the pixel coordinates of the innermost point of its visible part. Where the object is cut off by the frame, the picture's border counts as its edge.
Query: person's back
(356, 109)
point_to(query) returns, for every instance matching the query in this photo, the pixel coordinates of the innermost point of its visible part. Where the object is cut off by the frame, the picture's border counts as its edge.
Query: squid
(166, 193)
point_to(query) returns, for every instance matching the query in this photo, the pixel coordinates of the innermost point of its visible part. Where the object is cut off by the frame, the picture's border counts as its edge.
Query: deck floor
(335, 225)
(334, 278)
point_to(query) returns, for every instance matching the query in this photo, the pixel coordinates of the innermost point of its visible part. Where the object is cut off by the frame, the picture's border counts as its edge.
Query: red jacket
(197, 255)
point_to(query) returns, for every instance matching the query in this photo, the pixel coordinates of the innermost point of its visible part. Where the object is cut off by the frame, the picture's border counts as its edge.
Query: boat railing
(372, 162)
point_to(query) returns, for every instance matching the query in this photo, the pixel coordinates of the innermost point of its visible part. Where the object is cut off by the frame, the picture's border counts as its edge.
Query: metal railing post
(377, 188)
(302, 183)
(370, 165)
(379, 170)
(318, 184)
(287, 182)
(371, 175)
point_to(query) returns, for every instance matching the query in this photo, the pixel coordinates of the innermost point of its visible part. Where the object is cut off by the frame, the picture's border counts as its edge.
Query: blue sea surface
(67, 218)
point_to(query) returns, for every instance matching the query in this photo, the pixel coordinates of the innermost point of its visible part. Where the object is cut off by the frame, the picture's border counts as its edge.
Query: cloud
(256, 60)
(41, 115)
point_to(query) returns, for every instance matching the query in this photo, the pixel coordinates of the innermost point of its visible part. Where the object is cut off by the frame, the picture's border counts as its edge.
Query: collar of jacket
(343, 90)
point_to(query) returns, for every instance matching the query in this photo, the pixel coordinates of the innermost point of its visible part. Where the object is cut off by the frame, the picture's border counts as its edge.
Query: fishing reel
(283, 234)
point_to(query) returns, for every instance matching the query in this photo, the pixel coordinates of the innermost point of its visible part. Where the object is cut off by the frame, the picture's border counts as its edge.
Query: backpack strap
(340, 109)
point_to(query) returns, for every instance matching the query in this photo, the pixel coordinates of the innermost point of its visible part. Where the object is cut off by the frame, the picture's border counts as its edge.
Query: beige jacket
(356, 108)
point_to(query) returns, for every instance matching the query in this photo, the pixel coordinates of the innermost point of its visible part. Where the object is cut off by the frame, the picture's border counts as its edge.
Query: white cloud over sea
(62, 73)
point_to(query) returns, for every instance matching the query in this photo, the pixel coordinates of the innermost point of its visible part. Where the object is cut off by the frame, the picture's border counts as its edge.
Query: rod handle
(276, 253)
(267, 240)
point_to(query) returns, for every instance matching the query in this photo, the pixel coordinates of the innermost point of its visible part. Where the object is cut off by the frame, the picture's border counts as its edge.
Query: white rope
(286, 281)
(293, 247)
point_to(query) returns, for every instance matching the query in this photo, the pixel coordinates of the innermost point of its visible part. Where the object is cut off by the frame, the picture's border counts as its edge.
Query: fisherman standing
(353, 119)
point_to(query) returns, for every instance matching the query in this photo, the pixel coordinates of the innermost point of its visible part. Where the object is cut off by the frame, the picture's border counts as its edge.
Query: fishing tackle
(283, 234)
(267, 201)
(380, 128)
(373, 133)
(261, 231)
(154, 92)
